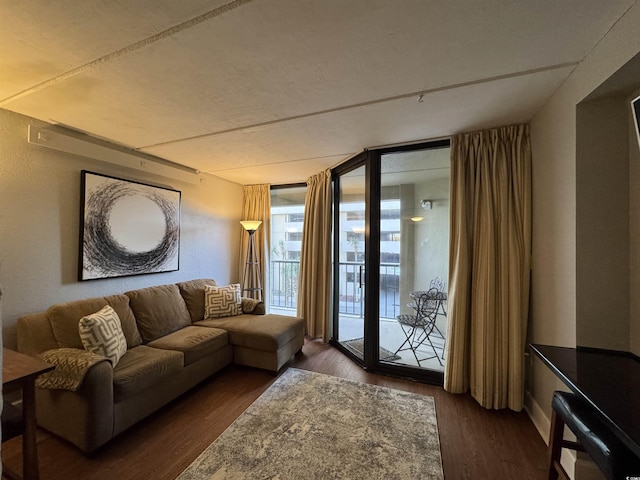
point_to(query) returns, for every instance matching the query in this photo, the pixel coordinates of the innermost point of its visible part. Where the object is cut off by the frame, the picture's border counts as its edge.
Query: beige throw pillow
(222, 301)
(101, 333)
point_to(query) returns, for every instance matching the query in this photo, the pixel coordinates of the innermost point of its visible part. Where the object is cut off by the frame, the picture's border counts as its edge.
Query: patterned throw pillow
(101, 333)
(222, 301)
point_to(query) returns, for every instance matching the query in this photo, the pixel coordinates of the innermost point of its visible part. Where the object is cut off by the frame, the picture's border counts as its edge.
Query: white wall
(553, 315)
(602, 223)
(39, 226)
(431, 237)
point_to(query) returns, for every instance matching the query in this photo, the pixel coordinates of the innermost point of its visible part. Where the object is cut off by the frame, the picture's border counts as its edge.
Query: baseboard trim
(543, 425)
(537, 416)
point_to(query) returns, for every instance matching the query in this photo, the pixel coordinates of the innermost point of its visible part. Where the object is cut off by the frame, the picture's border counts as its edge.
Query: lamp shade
(251, 225)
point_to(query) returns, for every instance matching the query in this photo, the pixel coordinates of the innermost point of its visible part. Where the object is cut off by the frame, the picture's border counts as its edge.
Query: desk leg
(30, 469)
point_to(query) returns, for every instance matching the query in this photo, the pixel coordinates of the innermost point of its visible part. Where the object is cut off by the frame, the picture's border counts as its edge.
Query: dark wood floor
(476, 443)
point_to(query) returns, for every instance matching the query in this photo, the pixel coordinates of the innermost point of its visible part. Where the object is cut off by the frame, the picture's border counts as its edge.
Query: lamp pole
(252, 279)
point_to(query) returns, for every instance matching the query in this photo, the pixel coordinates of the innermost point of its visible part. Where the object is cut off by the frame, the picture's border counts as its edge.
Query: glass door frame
(371, 159)
(360, 160)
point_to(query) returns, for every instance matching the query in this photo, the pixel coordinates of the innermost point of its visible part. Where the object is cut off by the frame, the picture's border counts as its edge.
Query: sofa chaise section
(266, 341)
(259, 340)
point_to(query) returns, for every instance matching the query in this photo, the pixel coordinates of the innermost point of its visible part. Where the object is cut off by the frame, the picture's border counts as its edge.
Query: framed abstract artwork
(127, 228)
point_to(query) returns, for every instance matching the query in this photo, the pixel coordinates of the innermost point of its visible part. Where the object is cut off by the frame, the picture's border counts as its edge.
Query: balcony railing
(283, 283)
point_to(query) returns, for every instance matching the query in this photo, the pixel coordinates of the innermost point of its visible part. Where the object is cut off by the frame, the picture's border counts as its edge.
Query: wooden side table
(19, 372)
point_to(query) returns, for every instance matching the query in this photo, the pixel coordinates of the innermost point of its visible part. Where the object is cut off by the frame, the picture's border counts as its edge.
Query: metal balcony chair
(439, 284)
(419, 328)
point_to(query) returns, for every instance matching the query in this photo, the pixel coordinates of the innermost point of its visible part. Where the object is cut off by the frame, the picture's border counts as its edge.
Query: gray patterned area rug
(314, 426)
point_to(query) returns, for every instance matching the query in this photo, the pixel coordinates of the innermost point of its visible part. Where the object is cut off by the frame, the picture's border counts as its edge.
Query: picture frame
(127, 228)
(635, 112)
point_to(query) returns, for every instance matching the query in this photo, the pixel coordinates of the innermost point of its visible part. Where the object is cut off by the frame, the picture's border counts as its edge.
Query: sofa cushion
(120, 304)
(222, 301)
(193, 294)
(194, 342)
(141, 367)
(64, 319)
(101, 333)
(158, 310)
(261, 332)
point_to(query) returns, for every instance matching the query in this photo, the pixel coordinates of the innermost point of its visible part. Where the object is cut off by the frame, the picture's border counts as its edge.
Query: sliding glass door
(391, 259)
(414, 257)
(349, 254)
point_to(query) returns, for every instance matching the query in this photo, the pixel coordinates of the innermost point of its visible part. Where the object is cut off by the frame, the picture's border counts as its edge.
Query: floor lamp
(252, 279)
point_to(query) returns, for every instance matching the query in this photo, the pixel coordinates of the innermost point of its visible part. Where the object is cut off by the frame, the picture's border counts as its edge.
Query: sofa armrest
(83, 417)
(71, 367)
(253, 306)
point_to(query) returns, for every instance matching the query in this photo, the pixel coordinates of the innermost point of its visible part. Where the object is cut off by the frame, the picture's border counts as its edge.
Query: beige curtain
(314, 291)
(256, 205)
(489, 266)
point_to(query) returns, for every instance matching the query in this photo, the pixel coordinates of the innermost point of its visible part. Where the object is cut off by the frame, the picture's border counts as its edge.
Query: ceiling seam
(419, 93)
(341, 155)
(126, 50)
(344, 156)
(544, 104)
(595, 45)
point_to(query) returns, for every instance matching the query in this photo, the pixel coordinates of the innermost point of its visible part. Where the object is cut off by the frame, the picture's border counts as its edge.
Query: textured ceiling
(273, 91)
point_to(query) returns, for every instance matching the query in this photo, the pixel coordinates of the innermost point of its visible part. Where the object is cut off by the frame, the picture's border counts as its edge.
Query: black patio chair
(439, 284)
(419, 328)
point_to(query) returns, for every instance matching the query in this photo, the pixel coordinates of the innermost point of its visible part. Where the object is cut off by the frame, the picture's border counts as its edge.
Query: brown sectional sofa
(170, 349)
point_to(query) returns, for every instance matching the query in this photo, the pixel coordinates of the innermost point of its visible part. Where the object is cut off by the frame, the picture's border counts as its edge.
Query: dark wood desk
(609, 380)
(19, 372)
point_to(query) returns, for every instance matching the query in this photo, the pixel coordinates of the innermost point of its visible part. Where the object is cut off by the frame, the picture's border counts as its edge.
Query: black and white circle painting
(128, 228)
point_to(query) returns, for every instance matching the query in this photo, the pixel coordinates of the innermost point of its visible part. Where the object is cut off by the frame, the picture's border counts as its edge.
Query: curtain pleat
(256, 205)
(314, 292)
(489, 265)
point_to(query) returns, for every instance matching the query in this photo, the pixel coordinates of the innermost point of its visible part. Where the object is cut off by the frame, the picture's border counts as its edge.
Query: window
(294, 236)
(389, 214)
(291, 255)
(295, 217)
(355, 236)
(386, 257)
(355, 215)
(355, 257)
(287, 224)
(389, 236)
